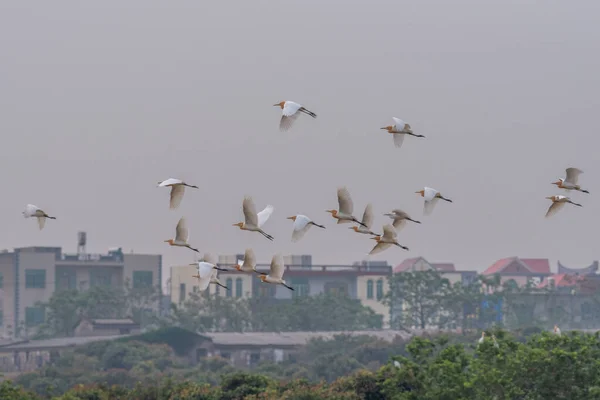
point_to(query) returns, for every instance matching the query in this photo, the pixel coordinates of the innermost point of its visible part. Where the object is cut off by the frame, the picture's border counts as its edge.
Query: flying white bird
(431, 197)
(249, 262)
(558, 202)
(399, 218)
(301, 225)
(34, 211)
(208, 259)
(276, 272)
(177, 190)
(181, 236)
(571, 180)
(205, 273)
(366, 223)
(346, 208)
(399, 130)
(290, 112)
(389, 238)
(253, 221)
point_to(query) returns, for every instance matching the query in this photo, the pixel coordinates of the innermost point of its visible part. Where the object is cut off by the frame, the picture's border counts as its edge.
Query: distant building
(447, 270)
(106, 327)
(31, 274)
(365, 281)
(520, 270)
(591, 269)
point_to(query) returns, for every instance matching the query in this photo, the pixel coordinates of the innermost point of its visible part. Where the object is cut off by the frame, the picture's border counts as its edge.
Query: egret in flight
(253, 222)
(177, 190)
(34, 211)
(290, 112)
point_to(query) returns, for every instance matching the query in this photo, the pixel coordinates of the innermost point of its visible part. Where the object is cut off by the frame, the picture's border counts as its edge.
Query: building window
(238, 287)
(181, 292)
(34, 316)
(225, 355)
(370, 289)
(229, 284)
(301, 287)
(254, 358)
(100, 278)
(142, 279)
(336, 288)
(379, 289)
(66, 280)
(35, 278)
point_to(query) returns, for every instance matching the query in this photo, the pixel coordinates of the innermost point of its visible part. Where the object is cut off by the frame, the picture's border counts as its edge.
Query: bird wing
(399, 223)
(286, 122)
(345, 201)
(290, 108)
(398, 124)
(429, 205)
(379, 247)
(264, 215)
(301, 226)
(181, 231)
(41, 222)
(250, 211)
(277, 267)
(388, 232)
(367, 217)
(554, 208)
(398, 139)
(176, 196)
(30, 210)
(573, 175)
(170, 181)
(249, 258)
(205, 272)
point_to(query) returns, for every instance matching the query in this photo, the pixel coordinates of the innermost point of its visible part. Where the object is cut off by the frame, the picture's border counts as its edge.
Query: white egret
(275, 275)
(399, 218)
(301, 225)
(556, 330)
(431, 197)
(571, 180)
(385, 241)
(249, 262)
(346, 208)
(253, 221)
(35, 211)
(290, 112)
(205, 273)
(182, 236)
(482, 338)
(558, 202)
(177, 190)
(366, 223)
(399, 130)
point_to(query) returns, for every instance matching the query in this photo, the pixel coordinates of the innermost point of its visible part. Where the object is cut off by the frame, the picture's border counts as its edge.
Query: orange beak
(292, 218)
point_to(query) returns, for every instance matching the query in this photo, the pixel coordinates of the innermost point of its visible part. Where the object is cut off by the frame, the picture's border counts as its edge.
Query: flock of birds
(254, 222)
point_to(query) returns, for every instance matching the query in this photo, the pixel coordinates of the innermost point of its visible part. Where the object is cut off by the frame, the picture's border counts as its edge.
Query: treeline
(542, 366)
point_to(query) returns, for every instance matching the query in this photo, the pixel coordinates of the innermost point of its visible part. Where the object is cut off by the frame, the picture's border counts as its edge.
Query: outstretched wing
(398, 139)
(181, 231)
(277, 267)
(41, 222)
(554, 208)
(345, 201)
(367, 218)
(249, 211)
(176, 196)
(379, 247)
(429, 205)
(399, 223)
(301, 226)
(249, 258)
(573, 175)
(264, 215)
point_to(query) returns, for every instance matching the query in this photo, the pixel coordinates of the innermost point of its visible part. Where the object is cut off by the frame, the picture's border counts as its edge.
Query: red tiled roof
(407, 264)
(562, 280)
(538, 265)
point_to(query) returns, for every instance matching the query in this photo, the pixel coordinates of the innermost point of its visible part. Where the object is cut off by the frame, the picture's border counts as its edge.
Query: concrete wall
(7, 293)
(142, 262)
(28, 297)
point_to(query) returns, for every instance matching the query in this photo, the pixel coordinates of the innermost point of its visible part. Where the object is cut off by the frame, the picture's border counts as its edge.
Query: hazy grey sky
(101, 100)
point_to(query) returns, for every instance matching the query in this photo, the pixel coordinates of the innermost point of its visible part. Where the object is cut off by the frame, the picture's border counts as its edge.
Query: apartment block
(31, 274)
(365, 281)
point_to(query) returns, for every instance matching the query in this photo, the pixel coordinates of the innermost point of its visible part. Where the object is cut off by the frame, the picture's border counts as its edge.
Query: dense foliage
(542, 366)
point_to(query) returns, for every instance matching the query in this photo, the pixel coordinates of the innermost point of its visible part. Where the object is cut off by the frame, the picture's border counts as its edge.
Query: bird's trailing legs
(360, 223)
(448, 200)
(413, 220)
(266, 235)
(191, 248)
(305, 111)
(192, 186)
(576, 204)
(399, 245)
(289, 287)
(223, 286)
(320, 226)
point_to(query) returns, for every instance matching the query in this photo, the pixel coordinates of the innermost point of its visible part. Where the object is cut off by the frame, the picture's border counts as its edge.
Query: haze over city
(101, 101)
